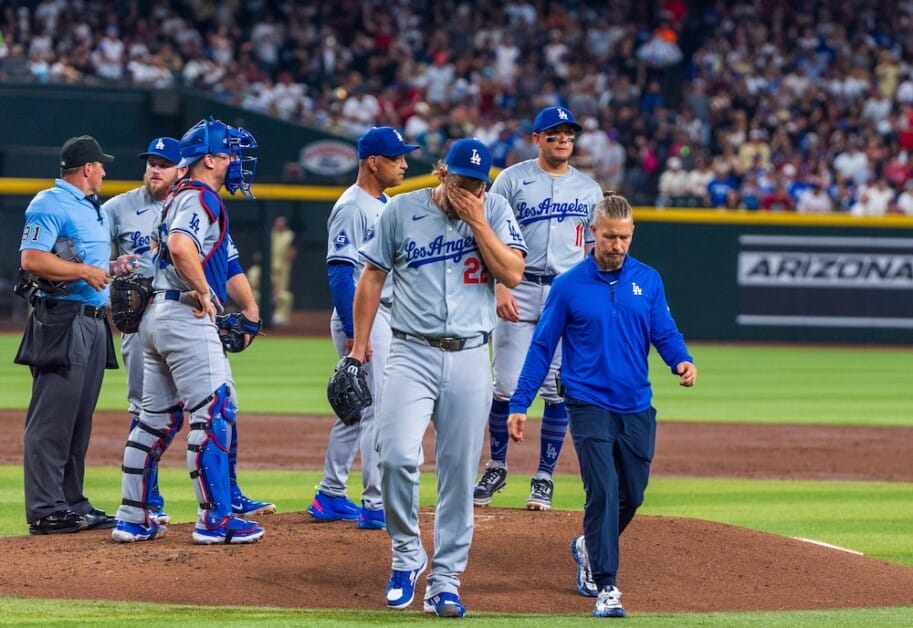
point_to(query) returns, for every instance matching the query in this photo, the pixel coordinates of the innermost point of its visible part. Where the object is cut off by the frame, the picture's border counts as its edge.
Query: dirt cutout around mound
(667, 564)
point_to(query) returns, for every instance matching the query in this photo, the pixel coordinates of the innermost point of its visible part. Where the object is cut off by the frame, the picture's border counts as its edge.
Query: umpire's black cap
(81, 150)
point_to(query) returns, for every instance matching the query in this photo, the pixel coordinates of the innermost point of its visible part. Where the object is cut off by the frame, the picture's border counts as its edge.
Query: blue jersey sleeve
(341, 276)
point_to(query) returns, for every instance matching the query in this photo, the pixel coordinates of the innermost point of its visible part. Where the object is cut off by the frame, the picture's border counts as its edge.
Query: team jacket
(606, 332)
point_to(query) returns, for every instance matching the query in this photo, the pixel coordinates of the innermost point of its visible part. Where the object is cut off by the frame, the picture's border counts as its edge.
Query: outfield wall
(749, 276)
(728, 275)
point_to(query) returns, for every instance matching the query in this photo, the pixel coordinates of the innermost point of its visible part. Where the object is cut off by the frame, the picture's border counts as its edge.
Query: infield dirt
(668, 564)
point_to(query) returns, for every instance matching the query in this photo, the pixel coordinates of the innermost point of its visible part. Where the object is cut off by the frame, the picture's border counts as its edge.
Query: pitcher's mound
(520, 562)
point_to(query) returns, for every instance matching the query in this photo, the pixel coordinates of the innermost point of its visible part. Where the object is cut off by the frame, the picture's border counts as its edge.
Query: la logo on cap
(475, 159)
(562, 113)
(160, 145)
(398, 136)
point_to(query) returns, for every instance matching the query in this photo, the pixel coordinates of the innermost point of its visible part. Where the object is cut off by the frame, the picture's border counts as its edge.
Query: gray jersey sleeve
(134, 218)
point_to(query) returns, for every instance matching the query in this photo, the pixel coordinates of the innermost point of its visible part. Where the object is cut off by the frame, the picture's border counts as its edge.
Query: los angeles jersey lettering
(440, 284)
(554, 213)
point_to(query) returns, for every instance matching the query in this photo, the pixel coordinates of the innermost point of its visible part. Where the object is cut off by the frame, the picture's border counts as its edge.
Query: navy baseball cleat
(326, 508)
(129, 532)
(586, 586)
(492, 481)
(371, 519)
(608, 603)
(540, 494)
(401, 588)
(445, 604)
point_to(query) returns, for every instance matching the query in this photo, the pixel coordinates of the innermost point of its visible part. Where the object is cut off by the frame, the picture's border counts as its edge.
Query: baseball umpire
(64, 254)
(445, 247)
(382, 164)
(553, 203)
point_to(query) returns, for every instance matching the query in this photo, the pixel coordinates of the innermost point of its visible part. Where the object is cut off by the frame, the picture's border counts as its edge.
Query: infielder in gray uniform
(196, 270)
(553, 203)
(445, 247)
(382, 164)
(134, 216)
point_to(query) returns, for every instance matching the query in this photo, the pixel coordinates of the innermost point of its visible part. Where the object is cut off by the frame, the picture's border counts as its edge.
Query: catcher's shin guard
(145, 446)
(207, 455)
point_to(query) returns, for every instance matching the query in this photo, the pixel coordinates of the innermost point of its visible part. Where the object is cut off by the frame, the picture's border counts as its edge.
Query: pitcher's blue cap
(385, 141)
(167, 148)
(469, 158)
(550, 117)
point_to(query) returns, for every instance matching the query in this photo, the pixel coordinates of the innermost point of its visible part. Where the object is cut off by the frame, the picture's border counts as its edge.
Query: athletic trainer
(607, 311)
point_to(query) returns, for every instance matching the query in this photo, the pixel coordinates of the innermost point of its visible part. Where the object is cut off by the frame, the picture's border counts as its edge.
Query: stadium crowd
(759, 105)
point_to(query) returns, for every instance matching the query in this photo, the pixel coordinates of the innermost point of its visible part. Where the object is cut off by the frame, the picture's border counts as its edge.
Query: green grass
(792, 385)
(736, 383)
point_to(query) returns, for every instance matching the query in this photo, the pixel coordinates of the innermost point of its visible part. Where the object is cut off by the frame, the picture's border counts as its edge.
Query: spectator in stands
(873, 199)
(904, 204)
(814, 200)
(778, 200)
(673, 185)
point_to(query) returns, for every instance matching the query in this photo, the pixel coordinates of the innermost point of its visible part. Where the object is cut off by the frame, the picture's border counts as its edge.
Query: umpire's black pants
(58, 423)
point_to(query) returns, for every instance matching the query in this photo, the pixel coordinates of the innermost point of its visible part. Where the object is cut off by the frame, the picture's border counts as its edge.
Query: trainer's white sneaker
(608, 603)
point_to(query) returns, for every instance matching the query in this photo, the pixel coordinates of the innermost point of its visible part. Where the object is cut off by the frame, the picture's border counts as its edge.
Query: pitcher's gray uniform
(438, 368)
(351, 223)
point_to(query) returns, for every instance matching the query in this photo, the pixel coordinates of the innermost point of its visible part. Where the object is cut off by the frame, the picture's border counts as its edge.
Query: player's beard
(157, 189)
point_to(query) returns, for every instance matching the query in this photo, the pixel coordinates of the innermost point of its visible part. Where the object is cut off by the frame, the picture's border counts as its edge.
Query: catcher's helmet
(214, 137)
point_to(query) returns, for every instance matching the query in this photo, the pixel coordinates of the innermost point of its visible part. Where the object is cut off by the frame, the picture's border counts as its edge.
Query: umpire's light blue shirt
(64, 212)
(606, 332)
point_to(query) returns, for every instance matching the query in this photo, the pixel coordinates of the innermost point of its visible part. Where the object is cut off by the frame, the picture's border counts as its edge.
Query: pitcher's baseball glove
(232, 328)
(348, 392)
(129, 297)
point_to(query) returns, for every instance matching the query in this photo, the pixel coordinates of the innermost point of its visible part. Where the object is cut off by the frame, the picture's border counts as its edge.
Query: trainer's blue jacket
(606, 331)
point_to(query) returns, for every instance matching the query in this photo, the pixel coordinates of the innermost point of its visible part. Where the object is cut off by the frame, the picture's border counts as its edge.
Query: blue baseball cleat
(401, 588)
(371, 519)
(129, 532)
(326, 508)
(231, 530)
(243, 506)
(445, 604)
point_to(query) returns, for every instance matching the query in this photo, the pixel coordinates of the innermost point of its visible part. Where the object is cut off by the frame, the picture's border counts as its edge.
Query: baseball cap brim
(469, 173)
(577, 128)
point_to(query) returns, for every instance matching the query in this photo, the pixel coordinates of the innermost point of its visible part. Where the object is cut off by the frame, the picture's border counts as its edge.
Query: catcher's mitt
(232, 328)
(129, 297)
(348, 392)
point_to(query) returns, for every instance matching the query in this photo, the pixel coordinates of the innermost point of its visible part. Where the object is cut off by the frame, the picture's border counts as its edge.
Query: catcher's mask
(214, 137)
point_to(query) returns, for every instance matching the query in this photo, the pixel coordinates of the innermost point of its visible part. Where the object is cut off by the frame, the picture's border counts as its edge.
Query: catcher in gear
(237, 332)
(348, 391)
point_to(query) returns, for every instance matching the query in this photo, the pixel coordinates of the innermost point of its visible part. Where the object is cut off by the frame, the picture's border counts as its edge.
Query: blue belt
(172, 295)
(543, 280)
(445, 343)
